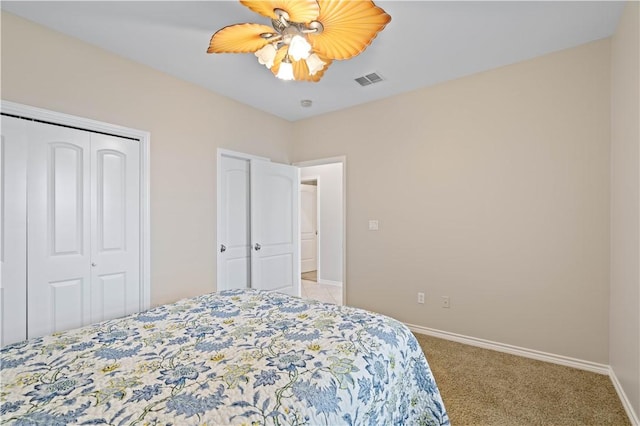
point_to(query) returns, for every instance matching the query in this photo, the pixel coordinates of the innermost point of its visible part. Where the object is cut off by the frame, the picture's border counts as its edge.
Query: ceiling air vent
(368, 79)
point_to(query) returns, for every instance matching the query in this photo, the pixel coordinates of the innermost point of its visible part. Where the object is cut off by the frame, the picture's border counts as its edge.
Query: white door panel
(66, 305)
(13, 231)
(308, 228)
(109, 296)
(234, 234)
(274, 227)
(115, 227)
(58, 232)
(237, 273)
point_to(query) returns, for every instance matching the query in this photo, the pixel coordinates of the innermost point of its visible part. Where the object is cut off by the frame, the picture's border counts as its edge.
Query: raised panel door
(115, 227)
(58, 233)
(234, 262)
(274, 227)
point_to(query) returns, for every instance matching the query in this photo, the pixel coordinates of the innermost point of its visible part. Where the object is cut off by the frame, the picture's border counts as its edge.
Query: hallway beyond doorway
(321, 292)
(310, 276)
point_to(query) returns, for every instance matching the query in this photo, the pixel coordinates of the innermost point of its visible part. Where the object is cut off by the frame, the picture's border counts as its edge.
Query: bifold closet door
(83, 228)
(13, 228)
(59, 255)
(115, 227)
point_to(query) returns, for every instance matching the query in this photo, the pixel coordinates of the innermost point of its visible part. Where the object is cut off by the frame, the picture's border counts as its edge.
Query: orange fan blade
(349, 27)
(298, 10)
(280, 54)
(239, 38)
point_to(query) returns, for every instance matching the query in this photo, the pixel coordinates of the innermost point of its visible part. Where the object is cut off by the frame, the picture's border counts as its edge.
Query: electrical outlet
(420, 297)
(445, 302)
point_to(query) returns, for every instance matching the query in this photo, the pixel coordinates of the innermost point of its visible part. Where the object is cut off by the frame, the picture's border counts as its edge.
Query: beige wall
(49, 70)
(624, 326)
(492, 190)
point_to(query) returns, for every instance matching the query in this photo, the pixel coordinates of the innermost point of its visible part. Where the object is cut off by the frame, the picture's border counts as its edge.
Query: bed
(234, 357)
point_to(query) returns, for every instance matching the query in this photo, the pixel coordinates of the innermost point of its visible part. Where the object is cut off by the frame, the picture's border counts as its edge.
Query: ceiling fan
(307, 35)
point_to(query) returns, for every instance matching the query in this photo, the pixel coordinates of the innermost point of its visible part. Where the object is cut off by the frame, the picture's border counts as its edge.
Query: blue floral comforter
(234, 357)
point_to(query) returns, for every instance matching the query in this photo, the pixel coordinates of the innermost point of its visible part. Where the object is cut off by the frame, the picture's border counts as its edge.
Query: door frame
(332, 160)
(221, 152)
(144, 138)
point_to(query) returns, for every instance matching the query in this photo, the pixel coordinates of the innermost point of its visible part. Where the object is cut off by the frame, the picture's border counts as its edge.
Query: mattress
(233, 357)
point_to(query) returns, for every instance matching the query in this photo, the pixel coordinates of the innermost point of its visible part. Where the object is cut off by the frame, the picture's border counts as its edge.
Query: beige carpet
(481, 387)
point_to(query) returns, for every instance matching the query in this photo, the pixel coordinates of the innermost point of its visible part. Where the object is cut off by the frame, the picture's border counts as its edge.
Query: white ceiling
(425, 43)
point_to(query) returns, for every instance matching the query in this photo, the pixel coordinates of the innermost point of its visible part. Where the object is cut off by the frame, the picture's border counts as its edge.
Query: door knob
(93, 264)
(257, 247)
(223, 248)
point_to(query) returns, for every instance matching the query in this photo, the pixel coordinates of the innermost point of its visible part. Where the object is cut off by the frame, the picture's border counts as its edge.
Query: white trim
(633, 417)
(318, 226)
(514, 350)
(145, 218)
(144, 138)
(321, 161)
(329, 282)
(240, 155)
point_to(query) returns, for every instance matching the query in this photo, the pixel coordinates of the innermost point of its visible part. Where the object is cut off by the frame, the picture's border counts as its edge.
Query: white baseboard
(514, 350)
(633, 417)
(539, 355)
(329, 282)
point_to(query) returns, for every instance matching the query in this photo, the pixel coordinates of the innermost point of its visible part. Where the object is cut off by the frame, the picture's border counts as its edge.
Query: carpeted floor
(481, 387)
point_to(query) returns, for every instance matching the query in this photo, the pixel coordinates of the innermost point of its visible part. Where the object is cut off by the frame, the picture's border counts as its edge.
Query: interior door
(275, 259)
(308, 228)
(13, 229)
(59, 252)
(234, 250)
(115, 227)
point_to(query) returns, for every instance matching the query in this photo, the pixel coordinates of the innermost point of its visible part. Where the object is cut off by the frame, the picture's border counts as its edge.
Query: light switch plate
(373, 225)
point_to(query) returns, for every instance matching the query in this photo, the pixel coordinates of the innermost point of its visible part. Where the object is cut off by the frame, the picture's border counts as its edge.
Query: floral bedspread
(234, 357)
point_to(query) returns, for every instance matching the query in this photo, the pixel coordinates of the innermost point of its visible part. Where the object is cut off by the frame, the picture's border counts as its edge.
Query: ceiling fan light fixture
(316, 31)
(314, 63)
(266, 55)
(299, 48)
(286, 70)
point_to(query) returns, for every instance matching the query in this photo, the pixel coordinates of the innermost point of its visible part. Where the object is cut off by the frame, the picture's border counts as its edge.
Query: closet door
(59, 251)
(83, 232)
(13, 231)
(115, 227)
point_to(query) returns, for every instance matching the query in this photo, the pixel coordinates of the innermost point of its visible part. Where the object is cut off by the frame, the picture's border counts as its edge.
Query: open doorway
(322, 219)
(309, 229)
